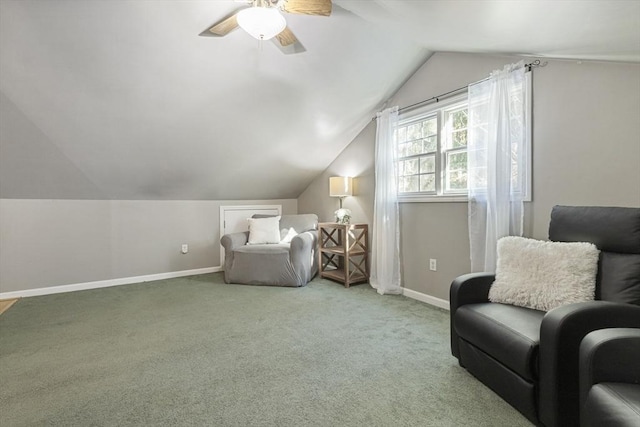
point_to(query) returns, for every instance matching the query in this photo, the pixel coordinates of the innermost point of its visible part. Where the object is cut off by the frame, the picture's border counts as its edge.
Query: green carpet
(196, 352)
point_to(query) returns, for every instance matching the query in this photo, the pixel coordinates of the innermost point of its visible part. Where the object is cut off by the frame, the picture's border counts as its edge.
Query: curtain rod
(529, 67)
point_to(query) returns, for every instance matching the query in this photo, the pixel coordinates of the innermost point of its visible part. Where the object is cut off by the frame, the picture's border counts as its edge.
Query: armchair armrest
(467, 289)
(233, 240)
(561, 333)
(229, 242)
(303, 254)
(609, 355)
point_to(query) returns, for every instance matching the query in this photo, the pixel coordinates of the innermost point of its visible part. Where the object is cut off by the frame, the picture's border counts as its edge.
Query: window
(432, 152)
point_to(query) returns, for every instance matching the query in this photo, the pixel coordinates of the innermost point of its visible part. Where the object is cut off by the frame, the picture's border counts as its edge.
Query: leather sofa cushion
(611, 229)
(619, 277)
(507, 333)
(613, 404)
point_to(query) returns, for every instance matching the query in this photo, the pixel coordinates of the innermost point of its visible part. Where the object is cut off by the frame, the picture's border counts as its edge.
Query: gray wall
(355, 161)
(60, 242)
(586, 151)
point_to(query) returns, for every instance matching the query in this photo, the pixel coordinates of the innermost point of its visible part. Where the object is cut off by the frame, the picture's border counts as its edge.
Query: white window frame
(437, 109)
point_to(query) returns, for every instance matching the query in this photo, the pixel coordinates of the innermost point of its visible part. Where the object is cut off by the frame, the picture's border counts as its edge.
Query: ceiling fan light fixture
(261, 22)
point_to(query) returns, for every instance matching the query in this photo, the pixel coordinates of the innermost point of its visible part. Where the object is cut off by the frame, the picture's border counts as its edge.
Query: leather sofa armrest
(609, 355)
(470, 289)
(467, 289)
(229, 242)
(561, 333)
(302, 254)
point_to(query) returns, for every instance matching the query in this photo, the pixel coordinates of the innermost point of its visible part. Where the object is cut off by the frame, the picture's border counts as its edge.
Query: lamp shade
(340, 186)
(261, 22)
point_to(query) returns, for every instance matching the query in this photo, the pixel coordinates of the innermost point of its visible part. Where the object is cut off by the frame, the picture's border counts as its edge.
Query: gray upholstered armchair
(281, 264)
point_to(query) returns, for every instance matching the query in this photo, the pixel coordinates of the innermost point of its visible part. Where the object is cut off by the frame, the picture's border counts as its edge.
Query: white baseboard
(441, 303)
(106, 283)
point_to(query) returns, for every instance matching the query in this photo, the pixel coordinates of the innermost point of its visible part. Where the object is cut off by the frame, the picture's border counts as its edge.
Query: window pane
(459, 138)
(459, 119)
(457, 180)
(415, 147)
(402, 134)
(429, 127)
(457, 171)
(411, 167)
(457, 161)
(402, 150)
(414, 131)
(428, 182)
(409, 184)
(430, 144)
(427, 164)
(400, 168)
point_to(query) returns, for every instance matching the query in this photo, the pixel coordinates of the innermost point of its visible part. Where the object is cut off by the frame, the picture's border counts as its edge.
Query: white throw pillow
(287, 235)
(544, 275)
(264, 230)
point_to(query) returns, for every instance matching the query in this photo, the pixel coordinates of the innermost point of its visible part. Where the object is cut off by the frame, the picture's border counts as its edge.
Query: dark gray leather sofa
(610, 378)
(530, 357)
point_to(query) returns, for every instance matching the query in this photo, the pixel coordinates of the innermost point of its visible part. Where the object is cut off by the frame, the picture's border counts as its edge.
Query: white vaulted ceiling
(121, 99)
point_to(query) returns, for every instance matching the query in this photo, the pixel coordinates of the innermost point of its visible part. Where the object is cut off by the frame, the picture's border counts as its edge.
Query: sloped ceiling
(607, 30)
(121, 99)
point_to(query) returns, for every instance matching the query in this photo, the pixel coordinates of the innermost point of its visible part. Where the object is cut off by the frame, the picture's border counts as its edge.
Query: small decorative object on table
(343, 216)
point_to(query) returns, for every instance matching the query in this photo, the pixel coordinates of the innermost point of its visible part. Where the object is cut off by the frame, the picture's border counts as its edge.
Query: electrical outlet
(185, 248)
(432, 265)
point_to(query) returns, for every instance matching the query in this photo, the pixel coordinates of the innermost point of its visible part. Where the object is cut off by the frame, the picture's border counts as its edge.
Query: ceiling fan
(264, 21)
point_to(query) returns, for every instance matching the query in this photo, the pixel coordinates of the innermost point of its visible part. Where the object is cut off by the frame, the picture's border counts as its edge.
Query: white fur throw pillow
(264, 230)
(544, 275)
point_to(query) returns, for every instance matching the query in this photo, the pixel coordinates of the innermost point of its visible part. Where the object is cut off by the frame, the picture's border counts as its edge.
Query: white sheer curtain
(385, 248)
(497, 161)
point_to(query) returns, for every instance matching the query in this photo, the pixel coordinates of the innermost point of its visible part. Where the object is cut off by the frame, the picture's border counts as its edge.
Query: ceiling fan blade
(291, 49)
(286, 37)
(307, 7)
(223, 27)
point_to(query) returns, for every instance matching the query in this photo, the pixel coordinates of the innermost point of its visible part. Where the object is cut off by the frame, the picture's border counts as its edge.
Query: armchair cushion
(300, 222)
(544, 275)
(507, 333)
(612, 404)
(261, 264)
